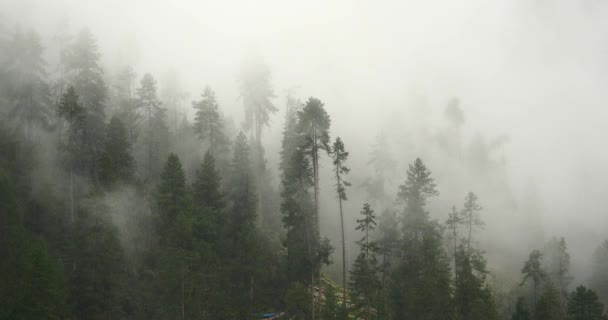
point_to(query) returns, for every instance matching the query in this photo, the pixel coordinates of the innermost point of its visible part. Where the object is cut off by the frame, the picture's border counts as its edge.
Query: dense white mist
(535, 71)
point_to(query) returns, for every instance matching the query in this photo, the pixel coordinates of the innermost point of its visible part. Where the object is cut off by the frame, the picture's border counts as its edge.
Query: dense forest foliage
(106, 212)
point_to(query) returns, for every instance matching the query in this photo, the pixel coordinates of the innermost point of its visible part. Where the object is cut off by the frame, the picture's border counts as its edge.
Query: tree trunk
(72, 213)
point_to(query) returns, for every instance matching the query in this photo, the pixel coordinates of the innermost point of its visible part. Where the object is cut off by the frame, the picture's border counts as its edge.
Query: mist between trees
(125, 195)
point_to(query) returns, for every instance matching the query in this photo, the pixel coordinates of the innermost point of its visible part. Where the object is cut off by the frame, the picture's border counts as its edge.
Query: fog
(529, 76)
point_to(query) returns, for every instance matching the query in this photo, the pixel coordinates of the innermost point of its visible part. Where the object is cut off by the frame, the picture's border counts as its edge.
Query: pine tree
(418, 187)
(116, 162)
(256, 92)
(155, 131)
(178, 252)
(453, 223)
(533, 270)
(240, 233)
(421, 283)
(208, 123)
(74, 114)
(364, 284)
(599, 275)
(81, 60)
(339, 155)
(548, 305)
(521, 310)
(313, 125)
(470, 217)
(128, 108)
(557, 260)
(27, 92)
(583, 304)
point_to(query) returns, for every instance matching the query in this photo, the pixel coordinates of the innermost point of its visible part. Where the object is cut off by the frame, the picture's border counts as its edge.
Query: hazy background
(535, 71)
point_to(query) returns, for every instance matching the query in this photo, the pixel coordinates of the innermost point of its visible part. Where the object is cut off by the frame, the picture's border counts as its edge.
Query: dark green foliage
(583, 304)
(472, 298)
(31, 281)
(81, 60)
(297, 301)
(420, 287)
(414, 193)
(97, 270)
(533, 271)
(521, 310)
(116, 163)
(548, 306)
(208, 123)
(172, 198)
(364, 287)
(154, 131)
(73, 113)
(421, 282)
(599, 276)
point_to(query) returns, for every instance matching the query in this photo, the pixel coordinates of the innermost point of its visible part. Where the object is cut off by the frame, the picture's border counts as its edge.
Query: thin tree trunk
(72, 214)
(183, 304)
(343, 256)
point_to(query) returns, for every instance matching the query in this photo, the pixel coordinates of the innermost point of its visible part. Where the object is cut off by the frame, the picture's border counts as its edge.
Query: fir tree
(364, 284)
(81, 60)
(583, 304)
(155, 131)
(116, 162)
(208, 123)
(533, 270)
(27, 92)
(339, 155)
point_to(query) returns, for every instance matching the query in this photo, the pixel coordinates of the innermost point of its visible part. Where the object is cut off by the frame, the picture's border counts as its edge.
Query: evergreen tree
(364, 284)
(470, 217)
(421, 283)
(81, 60)
(521, 310)
(116, 163)
(339, 155)
(179, 252)
(548, 305)
(256, 92)
(453, 223)
(313, 126)
(418, 187)
(557, 261)
(533, 270)
(599, 275)
(74, 114)
(240, 233)
(155, 131)
(26, 90)
(583, 304)
(128, 108)
(208, 123)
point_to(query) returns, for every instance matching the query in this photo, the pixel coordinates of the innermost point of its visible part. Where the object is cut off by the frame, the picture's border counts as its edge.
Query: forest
(125, 196)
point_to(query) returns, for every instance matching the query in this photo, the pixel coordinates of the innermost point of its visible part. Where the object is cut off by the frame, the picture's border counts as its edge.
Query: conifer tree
(116, 162)
(26, 90)
(74, 114)
(155, 131)
(599, 273)
(421, 283)
(257, 93)
(521, 310)
(313, 126)
(208, 124)
(583, 304)
(470, 217)
(533, 270)
(85, 74)
(364, 284)
(339, 155)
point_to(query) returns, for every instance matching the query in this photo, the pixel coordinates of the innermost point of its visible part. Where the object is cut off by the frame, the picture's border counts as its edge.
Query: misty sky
(535, 70)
